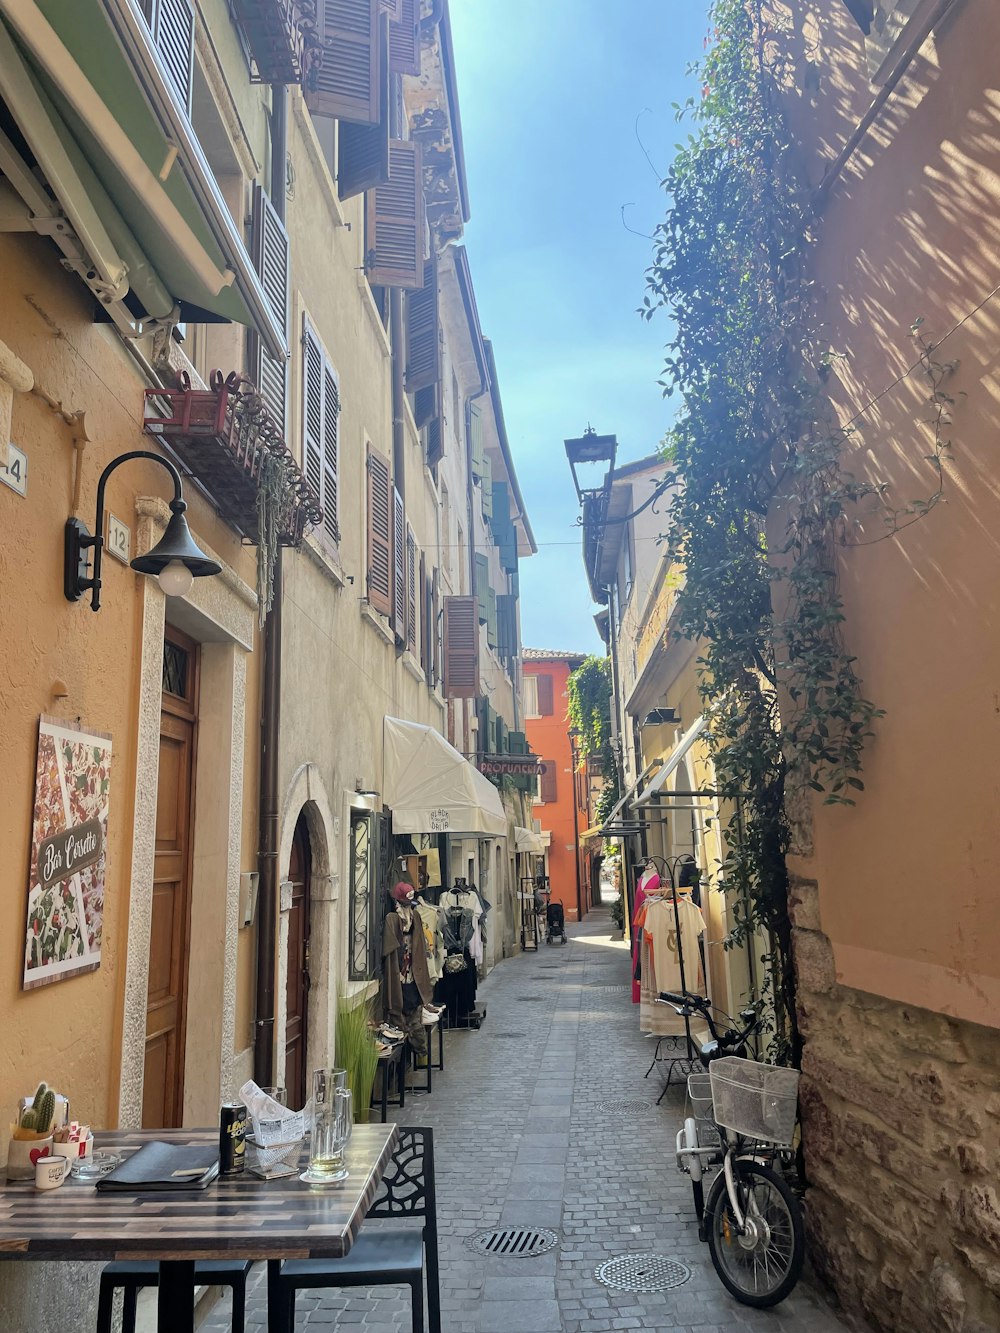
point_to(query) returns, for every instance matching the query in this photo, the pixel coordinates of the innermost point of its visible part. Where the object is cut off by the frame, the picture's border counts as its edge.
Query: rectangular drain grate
(524, 1242)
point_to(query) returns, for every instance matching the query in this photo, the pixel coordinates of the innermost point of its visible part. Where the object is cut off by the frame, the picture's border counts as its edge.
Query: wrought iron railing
(280, 35)
(228, 440)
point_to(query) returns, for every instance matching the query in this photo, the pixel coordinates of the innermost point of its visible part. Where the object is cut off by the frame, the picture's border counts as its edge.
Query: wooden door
(297, 969)
(169, 929)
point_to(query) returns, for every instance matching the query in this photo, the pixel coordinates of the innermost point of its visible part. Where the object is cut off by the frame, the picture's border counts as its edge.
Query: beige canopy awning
(431, 788)
(527, 840)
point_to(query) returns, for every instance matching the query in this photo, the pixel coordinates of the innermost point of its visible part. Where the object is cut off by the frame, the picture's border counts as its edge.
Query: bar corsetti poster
(68, 853)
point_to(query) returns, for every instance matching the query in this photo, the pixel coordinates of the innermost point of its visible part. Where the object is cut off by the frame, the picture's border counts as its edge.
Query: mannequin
(649, 881)
(406, 983)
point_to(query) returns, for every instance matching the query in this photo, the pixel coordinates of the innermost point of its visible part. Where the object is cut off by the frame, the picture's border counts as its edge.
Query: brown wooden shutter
(344, 79)
(426, 405)
(394, 8)
(363, 150)
(548, 781)
(411, 590)
(312, 410)
(172, 26)
(331, 431)
(437, 667)
(269, 249)
(461, 648)
(435, 441)
(404, 39)
(394, 221)
(424, 584)
(423, 342)
(398, 565)
(545, 700)
(379, 533)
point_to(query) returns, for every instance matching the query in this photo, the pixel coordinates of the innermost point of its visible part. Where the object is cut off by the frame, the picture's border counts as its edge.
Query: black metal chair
(399, 1256)
(133, 1275)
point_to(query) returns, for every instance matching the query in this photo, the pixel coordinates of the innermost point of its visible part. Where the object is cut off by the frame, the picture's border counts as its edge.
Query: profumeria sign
(508, 765)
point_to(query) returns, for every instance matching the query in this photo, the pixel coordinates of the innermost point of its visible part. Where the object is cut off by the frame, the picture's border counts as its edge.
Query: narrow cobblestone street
(523, 1137)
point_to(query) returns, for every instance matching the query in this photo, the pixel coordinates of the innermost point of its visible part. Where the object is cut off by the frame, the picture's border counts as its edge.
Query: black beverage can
(232, 1138)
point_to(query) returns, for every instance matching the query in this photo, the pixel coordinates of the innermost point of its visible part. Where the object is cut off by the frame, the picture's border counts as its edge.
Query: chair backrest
(407, 1186)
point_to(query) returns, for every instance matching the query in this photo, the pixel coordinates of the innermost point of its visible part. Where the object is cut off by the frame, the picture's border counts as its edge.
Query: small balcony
(279, 35)
(229, 442)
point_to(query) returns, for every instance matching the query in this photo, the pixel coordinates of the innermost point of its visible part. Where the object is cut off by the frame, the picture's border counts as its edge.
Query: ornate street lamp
(175, 560)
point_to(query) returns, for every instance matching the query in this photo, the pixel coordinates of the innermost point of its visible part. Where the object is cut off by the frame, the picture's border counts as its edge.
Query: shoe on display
(389, 1033)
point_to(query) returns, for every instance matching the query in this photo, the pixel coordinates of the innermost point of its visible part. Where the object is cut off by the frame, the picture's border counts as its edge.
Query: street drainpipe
(270, 718)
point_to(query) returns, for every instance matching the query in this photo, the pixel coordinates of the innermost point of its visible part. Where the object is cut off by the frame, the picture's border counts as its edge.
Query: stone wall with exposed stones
(901, 1128)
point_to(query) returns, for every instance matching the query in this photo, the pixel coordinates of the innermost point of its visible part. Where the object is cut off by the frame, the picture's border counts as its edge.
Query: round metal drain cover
(625, 1107)
(525, 1242)
(642, 1272)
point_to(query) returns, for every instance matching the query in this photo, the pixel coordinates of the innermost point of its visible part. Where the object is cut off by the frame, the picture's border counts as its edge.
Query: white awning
(431, 788)
(527, 840)
(674, 759)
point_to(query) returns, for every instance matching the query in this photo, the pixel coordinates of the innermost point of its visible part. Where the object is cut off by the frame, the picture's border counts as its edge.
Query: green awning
(135, 163)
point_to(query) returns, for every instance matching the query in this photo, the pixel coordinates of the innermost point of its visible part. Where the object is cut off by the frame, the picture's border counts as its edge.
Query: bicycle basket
(700, 1097)
(757, 1101)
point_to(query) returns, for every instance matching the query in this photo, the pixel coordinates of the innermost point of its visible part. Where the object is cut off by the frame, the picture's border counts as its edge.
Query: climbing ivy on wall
(763, 497)
(589, 710)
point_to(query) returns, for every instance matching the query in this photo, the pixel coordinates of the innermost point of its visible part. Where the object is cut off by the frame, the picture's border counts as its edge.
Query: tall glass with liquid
(332, 1122)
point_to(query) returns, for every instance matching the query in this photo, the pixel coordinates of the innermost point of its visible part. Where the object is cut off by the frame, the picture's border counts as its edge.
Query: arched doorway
(297, 980)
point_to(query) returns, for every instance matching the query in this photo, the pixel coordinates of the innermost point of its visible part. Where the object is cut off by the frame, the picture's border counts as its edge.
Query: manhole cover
(626, 1107)
(525, 1242)
(642, 1272)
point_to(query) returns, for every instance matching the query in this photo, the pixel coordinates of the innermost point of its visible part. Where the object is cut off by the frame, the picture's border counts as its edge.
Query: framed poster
(69, 838)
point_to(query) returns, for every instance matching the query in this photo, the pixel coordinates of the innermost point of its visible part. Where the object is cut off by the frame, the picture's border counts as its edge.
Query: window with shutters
(545, 695)
(321, 427)
(344, 77)
(171, 23)
(404, 38)
(491, 617)
(461, 648)
(269, 250)
(482, 587)
(476, 443)
(399, 589)
(380, 523)
(547, 782)
(363, 149)
(411, 590)
(423, 338)
(529, 696)
(394, 221)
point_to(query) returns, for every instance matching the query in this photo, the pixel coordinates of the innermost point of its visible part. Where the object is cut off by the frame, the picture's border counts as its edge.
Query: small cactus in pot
(39, 1115)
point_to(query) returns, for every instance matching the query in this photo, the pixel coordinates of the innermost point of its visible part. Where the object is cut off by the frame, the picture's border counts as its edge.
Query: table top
(236, 1217)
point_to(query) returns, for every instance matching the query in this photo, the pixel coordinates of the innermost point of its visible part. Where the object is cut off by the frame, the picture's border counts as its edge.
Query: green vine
(589, 711)
(763, 498)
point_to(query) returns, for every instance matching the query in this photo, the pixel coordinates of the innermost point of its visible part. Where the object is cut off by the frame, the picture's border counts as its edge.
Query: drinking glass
(332, 1123)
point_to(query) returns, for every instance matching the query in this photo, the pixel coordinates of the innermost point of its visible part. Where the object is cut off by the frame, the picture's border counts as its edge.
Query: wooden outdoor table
(236, 1217)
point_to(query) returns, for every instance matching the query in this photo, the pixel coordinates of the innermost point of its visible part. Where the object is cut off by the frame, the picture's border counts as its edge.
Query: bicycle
(751, 1219)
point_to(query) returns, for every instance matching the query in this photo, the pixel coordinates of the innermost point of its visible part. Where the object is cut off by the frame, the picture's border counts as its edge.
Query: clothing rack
(689, 1060)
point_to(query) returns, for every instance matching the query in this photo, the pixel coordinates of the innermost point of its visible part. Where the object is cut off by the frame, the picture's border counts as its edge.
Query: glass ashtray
(91, 1169)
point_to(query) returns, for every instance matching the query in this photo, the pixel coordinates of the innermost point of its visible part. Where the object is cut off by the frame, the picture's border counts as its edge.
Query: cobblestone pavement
(522, 1137)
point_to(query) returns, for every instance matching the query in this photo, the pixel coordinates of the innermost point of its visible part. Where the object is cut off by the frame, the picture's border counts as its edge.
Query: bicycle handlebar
(687, 1005)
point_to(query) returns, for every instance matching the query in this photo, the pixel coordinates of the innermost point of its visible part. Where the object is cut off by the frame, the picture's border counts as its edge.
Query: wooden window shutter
(394, 8)
(482, 584)
(863, 12)
(394, 221)
(461, 648)
(476, 440)
(437, 666)
(502, 735)
(404, 39)
(545, 695)
(312, 410)
(423, 342)
(411, 590)
(435, 441)
(426, 405)
(399, 591)
(486, 486)
(516, 742)
(363, 150)
(344, 80)
(501, 507)
(172, 26)
(331, 431)
(379, 533)
(506, 625)
(269, 249)
(548, 781)
(491, 617)
(424, 585)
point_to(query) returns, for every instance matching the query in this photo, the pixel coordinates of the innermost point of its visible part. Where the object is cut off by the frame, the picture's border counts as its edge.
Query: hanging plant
(589, 711)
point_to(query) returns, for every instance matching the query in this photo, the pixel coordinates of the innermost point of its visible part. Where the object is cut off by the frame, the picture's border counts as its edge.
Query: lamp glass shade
(176, 544)
(175, 579)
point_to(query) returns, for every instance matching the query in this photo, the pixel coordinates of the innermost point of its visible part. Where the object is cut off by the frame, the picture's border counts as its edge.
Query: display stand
(683, 1058)
(529, 915)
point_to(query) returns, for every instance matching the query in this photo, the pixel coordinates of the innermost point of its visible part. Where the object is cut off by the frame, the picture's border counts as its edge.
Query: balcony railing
(228, 440)
(279, 34)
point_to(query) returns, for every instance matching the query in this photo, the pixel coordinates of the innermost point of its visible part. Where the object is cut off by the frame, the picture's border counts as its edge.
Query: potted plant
(32, 1134)
(356, 1052)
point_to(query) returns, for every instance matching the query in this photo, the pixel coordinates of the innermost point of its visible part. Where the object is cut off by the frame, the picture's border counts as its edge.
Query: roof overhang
(431, 788)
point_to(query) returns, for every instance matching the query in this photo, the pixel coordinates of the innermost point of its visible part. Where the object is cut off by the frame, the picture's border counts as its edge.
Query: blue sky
(549, 97)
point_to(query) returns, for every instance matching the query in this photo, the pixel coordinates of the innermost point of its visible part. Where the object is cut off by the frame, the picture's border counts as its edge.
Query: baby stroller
(555, 924)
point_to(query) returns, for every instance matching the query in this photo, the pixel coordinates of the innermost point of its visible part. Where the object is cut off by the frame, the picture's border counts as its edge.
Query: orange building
(558, 805)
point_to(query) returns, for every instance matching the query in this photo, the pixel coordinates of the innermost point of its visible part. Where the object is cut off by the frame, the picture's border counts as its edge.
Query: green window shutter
(487, 486)
(502, 736)
(491, 728)
(506, 626)
(516, 742)
(500, 506)
(476, 440)
(482, 586)
(491, 617)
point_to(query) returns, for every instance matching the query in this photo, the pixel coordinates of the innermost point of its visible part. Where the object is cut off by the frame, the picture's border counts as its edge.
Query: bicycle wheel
(761, 1266)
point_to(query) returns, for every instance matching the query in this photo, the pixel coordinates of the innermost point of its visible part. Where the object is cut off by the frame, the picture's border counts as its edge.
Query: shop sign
(68, 853)
(508, 765)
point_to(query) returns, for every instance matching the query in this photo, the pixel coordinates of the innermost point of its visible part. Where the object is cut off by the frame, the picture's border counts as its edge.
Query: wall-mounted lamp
(367, 793)
(662, 717)
(175, 560)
